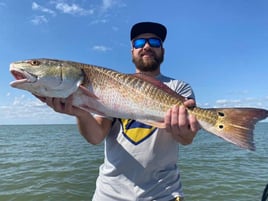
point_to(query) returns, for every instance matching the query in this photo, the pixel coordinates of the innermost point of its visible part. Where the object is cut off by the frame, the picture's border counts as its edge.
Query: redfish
(130, 96)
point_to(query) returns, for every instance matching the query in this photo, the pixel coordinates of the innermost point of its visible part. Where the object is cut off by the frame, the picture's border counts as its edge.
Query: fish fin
(87, 92)
(158, 84)
(90, 109)
(235, 125)
(153, 123)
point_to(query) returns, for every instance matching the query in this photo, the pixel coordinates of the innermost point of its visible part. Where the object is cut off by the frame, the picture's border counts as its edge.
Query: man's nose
(146, 46)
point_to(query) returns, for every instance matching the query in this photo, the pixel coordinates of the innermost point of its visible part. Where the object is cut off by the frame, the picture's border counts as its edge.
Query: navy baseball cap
(148, 27)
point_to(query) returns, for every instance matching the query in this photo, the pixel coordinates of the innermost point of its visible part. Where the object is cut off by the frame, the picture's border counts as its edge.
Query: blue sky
(220, 47)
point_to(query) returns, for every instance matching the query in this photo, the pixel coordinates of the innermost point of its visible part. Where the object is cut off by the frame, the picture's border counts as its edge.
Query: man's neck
(150, 73)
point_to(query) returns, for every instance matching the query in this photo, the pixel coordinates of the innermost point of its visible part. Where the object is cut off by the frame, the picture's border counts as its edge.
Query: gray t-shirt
(141, 161)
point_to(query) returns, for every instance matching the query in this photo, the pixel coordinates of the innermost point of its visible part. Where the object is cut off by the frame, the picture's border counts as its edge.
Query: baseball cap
(148, 27)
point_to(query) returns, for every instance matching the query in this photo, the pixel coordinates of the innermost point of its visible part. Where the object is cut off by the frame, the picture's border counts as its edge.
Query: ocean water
(53, 162)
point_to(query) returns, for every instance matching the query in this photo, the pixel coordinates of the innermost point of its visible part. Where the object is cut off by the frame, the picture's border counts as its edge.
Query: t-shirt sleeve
(183, 89)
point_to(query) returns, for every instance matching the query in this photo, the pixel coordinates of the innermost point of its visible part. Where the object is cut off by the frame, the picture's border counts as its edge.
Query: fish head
(46, 77)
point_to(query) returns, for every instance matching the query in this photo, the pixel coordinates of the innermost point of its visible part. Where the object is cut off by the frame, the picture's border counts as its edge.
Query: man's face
(147, 58)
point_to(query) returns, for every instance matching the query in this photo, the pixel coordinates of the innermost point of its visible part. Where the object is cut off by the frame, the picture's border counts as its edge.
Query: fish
(140, 97)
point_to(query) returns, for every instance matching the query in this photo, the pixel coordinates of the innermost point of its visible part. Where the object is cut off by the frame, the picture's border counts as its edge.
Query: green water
(53, 162)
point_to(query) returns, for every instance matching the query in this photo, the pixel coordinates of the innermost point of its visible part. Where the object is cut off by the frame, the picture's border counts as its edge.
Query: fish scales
(104, 82)
(111, 93)
(209, 116)
(131, 88)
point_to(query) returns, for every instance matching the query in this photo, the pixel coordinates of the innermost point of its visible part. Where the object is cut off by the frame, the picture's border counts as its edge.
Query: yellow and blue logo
(135, 131)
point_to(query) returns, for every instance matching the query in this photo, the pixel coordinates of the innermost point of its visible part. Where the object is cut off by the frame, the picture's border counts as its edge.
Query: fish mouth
(22, 77)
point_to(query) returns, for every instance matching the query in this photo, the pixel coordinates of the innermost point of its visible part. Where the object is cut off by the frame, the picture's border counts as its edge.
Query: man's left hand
(180, 124)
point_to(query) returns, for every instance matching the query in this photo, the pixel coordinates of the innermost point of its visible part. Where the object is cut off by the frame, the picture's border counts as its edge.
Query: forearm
(93, 129)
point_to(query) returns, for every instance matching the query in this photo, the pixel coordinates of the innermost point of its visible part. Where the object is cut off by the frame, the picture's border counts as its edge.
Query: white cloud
(115, 28)
(99, 21)
(227, 102)
(73, 9)
(101, 48)
(39, 20)
(243, 102)
(30, 110)
(36, 6)
(98, 10)
(106, 4)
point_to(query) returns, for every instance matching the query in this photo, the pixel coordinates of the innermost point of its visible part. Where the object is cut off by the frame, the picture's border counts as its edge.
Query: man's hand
(63, 106)
(180, 124)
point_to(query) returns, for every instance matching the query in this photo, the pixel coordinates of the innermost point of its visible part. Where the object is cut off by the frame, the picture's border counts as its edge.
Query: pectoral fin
(87, 92)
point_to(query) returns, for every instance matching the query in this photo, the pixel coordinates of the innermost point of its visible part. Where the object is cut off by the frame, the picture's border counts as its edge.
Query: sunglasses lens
(139, 43)
(154, 42)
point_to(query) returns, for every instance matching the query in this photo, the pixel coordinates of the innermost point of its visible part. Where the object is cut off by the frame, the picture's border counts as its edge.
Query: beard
(148, 65)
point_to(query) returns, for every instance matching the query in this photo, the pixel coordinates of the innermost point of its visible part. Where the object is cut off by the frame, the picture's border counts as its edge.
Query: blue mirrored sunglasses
(140, 42)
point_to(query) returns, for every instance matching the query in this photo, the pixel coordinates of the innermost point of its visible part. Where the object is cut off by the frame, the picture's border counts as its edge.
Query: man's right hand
(94, 129)
(63, 105)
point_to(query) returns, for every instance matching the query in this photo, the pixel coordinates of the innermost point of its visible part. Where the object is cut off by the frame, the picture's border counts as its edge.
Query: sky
(219, 47)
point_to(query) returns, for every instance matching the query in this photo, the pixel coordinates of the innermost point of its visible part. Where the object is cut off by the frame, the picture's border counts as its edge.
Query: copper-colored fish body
(110, 93)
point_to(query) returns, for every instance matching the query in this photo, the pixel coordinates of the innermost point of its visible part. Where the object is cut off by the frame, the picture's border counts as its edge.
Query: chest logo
(135, 131)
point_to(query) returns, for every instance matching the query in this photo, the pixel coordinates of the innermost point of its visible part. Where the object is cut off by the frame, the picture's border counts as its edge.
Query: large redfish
(107, 92)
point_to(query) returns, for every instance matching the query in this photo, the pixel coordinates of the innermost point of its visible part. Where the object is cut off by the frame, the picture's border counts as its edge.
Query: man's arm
(93, 129)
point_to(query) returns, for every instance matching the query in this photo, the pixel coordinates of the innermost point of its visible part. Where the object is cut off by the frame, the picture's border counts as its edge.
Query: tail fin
(235, 125)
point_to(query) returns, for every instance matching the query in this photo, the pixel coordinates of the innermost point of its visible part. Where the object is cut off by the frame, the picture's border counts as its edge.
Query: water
(46, 163)
(215, 170)
(53, 162)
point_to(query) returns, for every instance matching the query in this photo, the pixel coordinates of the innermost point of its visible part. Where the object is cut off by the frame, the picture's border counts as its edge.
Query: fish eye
(34, 62)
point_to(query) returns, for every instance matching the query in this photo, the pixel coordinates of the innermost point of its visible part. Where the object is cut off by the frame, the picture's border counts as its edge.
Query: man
(140, 160)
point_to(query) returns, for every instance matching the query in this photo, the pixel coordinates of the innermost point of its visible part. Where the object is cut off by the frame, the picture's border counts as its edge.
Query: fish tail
(235, 125)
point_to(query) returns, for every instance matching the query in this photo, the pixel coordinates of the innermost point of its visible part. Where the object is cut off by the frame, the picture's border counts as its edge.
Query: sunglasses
(140, 42)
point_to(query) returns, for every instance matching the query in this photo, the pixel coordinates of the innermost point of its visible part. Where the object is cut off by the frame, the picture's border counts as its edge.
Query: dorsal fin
(158, 84)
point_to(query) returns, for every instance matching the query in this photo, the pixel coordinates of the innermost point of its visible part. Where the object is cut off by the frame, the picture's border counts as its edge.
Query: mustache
(144, 52)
